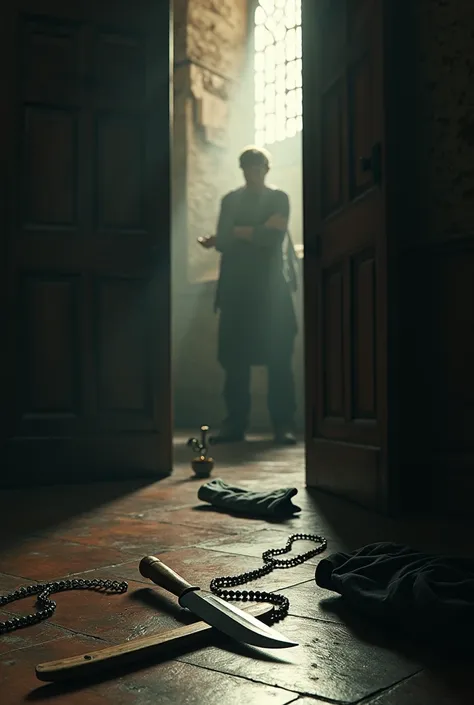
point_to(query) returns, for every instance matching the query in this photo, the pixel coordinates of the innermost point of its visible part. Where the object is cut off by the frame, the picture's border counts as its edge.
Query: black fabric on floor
(273, 505)
(421, 594)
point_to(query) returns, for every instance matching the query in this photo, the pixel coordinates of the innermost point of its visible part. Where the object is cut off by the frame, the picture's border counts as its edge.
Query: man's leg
(237, 401)
(281, 397)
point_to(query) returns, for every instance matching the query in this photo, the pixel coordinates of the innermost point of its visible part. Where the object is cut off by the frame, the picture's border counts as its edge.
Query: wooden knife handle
(185, 637)
(157, 571)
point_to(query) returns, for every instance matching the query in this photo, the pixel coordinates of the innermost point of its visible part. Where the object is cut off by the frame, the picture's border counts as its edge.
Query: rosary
(222, 587)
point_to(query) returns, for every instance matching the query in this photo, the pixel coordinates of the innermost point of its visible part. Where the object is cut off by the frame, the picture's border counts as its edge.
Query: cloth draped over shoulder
(253, 296)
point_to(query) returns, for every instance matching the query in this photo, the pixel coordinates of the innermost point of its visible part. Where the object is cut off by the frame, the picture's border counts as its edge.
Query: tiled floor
(104, 530)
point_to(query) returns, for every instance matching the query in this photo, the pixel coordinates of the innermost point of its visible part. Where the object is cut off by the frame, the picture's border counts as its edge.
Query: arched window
(278, 71)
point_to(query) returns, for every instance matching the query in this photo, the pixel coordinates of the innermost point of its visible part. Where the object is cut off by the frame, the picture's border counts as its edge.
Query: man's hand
(243, 232)
(207, 242)
(277, 222)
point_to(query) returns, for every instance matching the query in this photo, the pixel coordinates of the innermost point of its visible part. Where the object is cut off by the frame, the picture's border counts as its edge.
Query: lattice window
(278, 71)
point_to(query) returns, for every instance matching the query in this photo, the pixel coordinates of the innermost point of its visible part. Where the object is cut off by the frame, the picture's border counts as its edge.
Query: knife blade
(221, 615)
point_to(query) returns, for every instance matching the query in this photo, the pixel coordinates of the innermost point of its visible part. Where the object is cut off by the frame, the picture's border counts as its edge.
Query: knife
(225, 617)
(165, 643)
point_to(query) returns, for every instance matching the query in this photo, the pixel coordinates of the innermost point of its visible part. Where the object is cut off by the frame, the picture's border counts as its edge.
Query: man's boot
(229, 433)
(285, 437)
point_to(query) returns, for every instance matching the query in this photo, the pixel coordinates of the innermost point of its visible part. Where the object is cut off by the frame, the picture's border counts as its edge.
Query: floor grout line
(67, 633)
(316, 698)
(383, 691)
(244, 555)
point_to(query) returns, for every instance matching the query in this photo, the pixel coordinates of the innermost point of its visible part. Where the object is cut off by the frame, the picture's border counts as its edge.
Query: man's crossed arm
(244, 232)
(275, 222)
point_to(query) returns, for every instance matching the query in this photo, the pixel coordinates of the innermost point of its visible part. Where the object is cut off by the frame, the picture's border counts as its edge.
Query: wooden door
(346, 240)
(85, 144)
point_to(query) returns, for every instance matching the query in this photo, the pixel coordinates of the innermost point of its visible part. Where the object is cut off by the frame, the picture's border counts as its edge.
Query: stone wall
(180, 30)
(210, 125)
(217, 34)
(217, 51)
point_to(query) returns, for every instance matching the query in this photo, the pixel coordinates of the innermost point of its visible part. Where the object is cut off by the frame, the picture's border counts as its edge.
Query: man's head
(255, 164)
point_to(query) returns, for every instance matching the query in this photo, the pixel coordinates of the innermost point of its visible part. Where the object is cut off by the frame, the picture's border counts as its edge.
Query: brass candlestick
(201, 464)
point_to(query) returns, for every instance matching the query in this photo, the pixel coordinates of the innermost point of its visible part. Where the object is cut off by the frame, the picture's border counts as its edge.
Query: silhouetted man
(257, 323)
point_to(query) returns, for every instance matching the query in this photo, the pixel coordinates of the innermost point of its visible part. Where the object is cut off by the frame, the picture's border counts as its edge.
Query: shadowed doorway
(238, 82)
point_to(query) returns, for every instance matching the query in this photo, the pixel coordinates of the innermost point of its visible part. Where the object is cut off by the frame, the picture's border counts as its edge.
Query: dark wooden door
(346, 271)
(86, 146)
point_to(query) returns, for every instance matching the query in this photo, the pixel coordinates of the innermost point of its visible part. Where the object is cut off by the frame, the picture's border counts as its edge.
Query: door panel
(360, 125)
(50, 353)
(120, 174)
(364, 332)
(49, 52)
(333, 148)
(124, 379)
(345, 230)
(332, 335)
(50, 160)
(89, 236)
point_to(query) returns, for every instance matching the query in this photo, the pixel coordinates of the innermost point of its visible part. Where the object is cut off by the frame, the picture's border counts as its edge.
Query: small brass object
(202, 465)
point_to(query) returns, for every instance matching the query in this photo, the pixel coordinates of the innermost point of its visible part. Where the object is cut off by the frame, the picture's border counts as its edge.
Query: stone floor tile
(205, 517)
(444, 688)
(169, 683)
(199, 566)
(24, 638)
(133, 535)
(309, 600)
(9, 583)
(41, 558)
(330, 663)
(108, 616)
(255, 543)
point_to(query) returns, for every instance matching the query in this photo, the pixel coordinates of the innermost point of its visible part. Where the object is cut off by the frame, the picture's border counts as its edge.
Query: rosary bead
(281, 602)
(46, 606)
(217, 586)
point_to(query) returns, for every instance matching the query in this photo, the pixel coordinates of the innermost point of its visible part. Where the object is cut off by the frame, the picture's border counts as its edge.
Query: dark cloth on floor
(274, 505)
(421, 594)
(253, 296)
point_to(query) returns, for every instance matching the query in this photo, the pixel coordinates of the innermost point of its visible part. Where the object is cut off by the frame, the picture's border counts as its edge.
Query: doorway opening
(237, 82)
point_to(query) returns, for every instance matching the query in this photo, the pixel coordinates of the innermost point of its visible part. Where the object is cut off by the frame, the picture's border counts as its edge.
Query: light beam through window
(278, 71)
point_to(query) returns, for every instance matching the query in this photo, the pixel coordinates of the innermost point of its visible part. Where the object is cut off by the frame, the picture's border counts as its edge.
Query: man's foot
(227, 435)
(285, 438)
